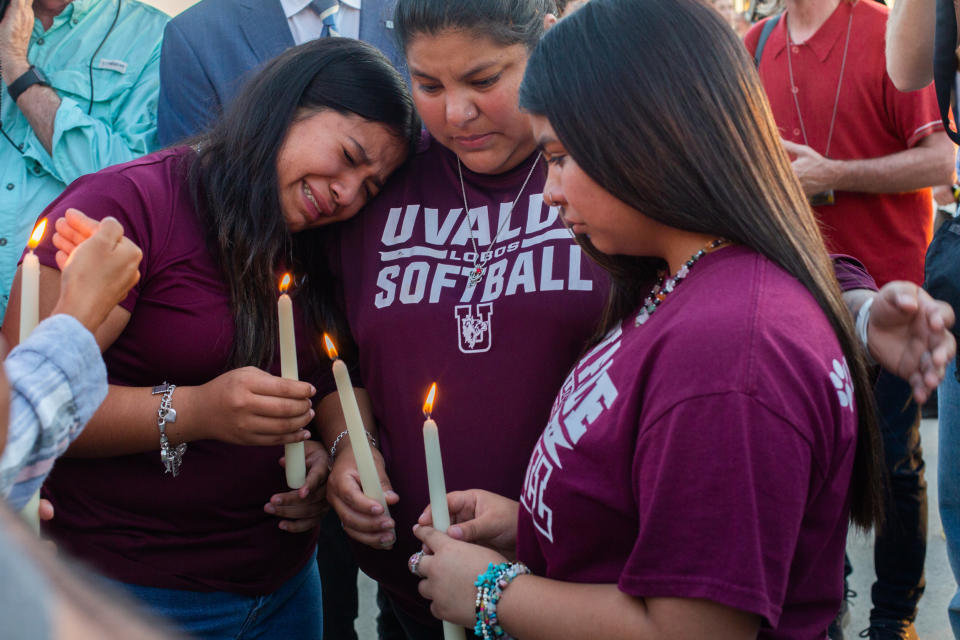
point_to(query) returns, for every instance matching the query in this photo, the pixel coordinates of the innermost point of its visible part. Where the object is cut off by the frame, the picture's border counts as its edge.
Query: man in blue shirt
(79, 93)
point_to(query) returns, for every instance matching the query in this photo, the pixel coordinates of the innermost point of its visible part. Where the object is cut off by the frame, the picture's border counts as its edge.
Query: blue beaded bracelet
(490, 585)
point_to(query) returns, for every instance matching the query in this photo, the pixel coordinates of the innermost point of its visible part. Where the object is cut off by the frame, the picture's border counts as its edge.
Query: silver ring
(413, 564)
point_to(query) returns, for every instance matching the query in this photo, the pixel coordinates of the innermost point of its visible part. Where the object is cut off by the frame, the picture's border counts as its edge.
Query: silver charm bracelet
(336, 443)
(171, 457)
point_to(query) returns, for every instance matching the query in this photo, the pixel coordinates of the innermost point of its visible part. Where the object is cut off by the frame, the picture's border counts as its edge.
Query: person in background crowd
(210, 49)
(210, 536)
(866, 155)
(910, 51)
(79, 93)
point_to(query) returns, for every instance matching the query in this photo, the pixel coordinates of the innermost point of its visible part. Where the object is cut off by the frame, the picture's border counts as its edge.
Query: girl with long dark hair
(704, 457)
(206, 531)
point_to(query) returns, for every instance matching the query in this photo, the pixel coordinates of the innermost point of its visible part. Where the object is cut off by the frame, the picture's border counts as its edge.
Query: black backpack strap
(764, 34)
(945, 62)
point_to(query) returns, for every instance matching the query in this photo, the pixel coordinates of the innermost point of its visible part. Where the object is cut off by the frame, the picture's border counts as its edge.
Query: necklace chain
(480, 264)
(836, 100)
(664, 285)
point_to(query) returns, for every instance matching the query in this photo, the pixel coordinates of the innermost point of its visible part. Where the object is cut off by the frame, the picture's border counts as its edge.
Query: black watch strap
(29, 78)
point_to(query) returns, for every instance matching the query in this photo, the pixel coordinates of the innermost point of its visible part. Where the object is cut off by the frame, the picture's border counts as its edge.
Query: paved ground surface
(932, 623)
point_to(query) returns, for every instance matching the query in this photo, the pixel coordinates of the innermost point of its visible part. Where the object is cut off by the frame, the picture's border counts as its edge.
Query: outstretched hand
(99, 267)
(909, 335)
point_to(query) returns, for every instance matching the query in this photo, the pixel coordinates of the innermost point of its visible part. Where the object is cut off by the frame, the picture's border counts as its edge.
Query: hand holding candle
(294, 459)
(369, 479)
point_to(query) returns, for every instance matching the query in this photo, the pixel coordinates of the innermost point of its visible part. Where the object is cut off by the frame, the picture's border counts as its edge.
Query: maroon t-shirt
(704, 454)
(498, 351)
(205, 529)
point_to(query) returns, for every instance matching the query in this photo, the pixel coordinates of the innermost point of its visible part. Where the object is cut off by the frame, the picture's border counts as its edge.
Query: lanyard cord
(794, 90)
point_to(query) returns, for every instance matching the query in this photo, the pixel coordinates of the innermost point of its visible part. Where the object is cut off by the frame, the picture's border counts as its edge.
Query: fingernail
(387, 524)
(313, 390)
(269, 508)
(387, 541)
(376, 509)
(312, 413)
(283, 525)
(306, 434)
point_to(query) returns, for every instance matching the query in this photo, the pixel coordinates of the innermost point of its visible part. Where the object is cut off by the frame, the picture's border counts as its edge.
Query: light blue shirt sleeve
(108, 82)
(57, 381)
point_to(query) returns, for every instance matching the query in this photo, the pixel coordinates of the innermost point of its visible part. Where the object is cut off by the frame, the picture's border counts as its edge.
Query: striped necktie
(327, 10)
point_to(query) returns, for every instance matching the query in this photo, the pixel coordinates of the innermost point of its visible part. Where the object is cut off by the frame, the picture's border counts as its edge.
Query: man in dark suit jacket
(210, 49)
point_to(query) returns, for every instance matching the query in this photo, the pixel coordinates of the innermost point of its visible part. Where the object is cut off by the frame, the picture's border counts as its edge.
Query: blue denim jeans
(292, 612)
(901, 546)
(948, 479)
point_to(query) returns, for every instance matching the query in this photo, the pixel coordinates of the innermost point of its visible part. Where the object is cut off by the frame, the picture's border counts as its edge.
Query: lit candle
(296, 467)
(438, 489)
(29, 318)
(30, 284)
(369, 480)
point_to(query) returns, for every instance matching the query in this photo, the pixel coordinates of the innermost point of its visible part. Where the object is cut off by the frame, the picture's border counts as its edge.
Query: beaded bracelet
(490, 585)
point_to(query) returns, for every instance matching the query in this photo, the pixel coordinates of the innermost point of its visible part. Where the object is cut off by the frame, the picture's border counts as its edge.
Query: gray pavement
(932, 623)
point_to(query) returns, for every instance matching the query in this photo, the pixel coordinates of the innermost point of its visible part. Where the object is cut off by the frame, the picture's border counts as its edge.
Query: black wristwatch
(29, 78)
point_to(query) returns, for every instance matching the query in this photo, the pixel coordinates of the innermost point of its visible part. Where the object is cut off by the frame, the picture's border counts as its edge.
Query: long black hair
(659, 103)
(234, 180)
(506, 22)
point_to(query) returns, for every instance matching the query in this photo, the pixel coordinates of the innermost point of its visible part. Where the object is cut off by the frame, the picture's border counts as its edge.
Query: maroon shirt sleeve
(851, 274)
(731, 541)
(98, 196)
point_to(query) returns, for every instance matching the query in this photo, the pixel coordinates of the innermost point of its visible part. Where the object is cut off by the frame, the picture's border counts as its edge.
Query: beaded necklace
(664, 286)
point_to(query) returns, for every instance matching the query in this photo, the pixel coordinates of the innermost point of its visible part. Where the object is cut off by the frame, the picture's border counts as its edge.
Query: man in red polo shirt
(866, 155)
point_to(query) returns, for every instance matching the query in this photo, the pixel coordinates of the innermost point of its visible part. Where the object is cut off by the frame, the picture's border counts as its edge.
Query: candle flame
(285, 282)
(331, 348)
(37, 234)
(428, 403)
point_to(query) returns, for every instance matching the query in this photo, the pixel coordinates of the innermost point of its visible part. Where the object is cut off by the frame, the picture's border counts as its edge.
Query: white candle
(295, 464)
(438, 490)
(29, 318)
(29, 295)
(369, 479)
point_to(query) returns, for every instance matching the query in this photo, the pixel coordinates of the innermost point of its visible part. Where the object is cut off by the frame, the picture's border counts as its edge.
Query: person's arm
(188, 100)
(363, 518)
(73, 142)
(244, 406)
(57, 376)
(909, 51)
(57, 380)
(536, 608)
(930, 162)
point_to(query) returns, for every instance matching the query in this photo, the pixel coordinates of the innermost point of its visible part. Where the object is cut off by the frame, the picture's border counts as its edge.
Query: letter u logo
(474, 331)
